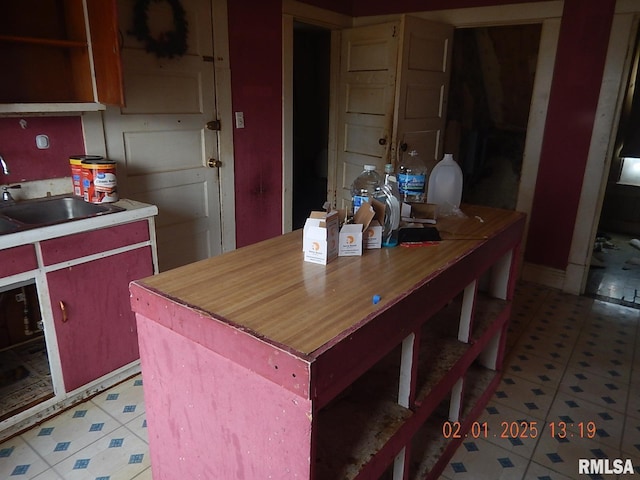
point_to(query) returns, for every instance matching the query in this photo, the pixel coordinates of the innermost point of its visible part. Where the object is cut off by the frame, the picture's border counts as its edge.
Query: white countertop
(133, 211)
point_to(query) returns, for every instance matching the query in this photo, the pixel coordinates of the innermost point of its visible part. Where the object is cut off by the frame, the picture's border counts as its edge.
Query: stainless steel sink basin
(7, 227)
(50, 211)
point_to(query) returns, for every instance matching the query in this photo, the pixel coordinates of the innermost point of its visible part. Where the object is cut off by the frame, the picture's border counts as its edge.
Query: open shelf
(430, 449)
(51, 64)
(359, 423)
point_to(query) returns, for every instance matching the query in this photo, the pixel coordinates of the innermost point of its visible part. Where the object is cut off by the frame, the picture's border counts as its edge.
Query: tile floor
(570, 359)
(615, 270)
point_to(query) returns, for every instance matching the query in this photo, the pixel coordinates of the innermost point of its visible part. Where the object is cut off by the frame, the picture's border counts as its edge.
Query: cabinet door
(17, 260)
(94, 324)
(105, 48)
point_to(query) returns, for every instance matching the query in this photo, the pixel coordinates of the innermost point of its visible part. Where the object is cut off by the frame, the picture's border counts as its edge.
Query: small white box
(320, 237)
(350, 240)
(373, 235)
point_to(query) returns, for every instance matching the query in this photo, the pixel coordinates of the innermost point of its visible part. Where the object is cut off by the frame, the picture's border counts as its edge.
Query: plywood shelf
(45, 42)
(430, 448)
(358, 424)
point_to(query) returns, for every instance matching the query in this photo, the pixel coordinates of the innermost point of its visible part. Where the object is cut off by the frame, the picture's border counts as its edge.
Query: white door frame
(293, 11)
(546, 13)
(223, 95)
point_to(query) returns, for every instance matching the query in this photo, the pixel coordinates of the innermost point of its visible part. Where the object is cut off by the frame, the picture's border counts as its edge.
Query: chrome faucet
(5, 167)
(7, 199)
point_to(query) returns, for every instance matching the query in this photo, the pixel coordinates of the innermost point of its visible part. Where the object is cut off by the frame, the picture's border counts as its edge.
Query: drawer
(17, 260)
(88, 243)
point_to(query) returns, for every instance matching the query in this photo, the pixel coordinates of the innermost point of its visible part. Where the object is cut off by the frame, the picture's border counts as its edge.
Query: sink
(50, 211)
(7, 226)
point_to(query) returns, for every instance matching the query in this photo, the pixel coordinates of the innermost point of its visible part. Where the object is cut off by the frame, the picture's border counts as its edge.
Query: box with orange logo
(373, 235)
(352, 237)
(320, 237)
(350, 243)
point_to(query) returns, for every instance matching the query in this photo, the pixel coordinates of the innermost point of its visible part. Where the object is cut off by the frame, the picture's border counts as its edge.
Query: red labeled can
(99, 181)
(75, 162)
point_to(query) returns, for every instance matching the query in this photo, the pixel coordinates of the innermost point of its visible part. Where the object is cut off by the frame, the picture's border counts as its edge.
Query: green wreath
(167, 44)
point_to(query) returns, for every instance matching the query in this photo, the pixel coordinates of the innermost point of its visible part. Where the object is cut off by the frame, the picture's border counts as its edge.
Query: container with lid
(99, 180)
(75, 162)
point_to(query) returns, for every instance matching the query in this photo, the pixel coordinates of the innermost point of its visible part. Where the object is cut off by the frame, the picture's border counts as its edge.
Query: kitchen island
(259, 365)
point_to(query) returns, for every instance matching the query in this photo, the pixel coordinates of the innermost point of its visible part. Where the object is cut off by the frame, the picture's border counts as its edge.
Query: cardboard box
(351, 234)
(350, 240)
(419, 212)
(320, 237)
(373, 235)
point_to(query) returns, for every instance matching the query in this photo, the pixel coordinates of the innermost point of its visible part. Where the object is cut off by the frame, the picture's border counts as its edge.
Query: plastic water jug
(366, 186)
(445, 185)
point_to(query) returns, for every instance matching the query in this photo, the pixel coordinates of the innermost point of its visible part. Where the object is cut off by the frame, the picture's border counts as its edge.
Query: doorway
(614, 272)
(311, 67)
(25, 376)
(492, 78)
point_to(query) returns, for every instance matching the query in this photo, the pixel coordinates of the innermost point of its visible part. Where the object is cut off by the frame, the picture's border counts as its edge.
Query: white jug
(445, 185)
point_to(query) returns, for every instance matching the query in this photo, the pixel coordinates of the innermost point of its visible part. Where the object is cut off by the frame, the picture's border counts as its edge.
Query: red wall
(582, 48)
(26, 161)
(256, 71)
(255, 39)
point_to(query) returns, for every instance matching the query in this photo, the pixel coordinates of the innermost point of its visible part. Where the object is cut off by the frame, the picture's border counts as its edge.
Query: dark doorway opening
(311, 65)
(614, 273)
(492, 76)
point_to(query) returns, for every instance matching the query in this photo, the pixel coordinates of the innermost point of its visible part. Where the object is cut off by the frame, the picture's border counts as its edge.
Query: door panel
(422, 89)
(161, 142)
(394, 82)
(367, 85)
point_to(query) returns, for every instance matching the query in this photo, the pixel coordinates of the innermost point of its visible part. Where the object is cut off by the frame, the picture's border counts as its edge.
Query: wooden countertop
(268, 289)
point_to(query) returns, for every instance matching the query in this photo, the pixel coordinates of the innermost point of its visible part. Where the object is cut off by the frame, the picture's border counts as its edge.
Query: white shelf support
(500, 273)
(406, 370)
(466, 314)
(456, 400)
(399, 465)
(489, 356)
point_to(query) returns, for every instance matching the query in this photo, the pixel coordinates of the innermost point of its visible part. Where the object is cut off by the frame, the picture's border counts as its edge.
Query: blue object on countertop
(376, 299)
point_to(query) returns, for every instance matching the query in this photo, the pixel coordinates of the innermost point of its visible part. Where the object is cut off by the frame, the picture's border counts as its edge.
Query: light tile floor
(615, 272)
(570, 359)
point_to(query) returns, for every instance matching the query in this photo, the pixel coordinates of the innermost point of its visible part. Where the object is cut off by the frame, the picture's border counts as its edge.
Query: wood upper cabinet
(59, 52)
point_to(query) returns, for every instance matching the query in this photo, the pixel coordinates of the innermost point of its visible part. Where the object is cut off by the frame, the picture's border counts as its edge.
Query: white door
(368, 60)
(166, 154)
(422, 90)
(394, 82)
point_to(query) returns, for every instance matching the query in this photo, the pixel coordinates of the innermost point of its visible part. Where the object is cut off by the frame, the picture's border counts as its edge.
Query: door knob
(382, 141)
(214, 163)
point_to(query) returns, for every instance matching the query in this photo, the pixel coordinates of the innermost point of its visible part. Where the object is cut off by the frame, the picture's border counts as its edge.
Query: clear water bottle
(412, 176)
(366, 186)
